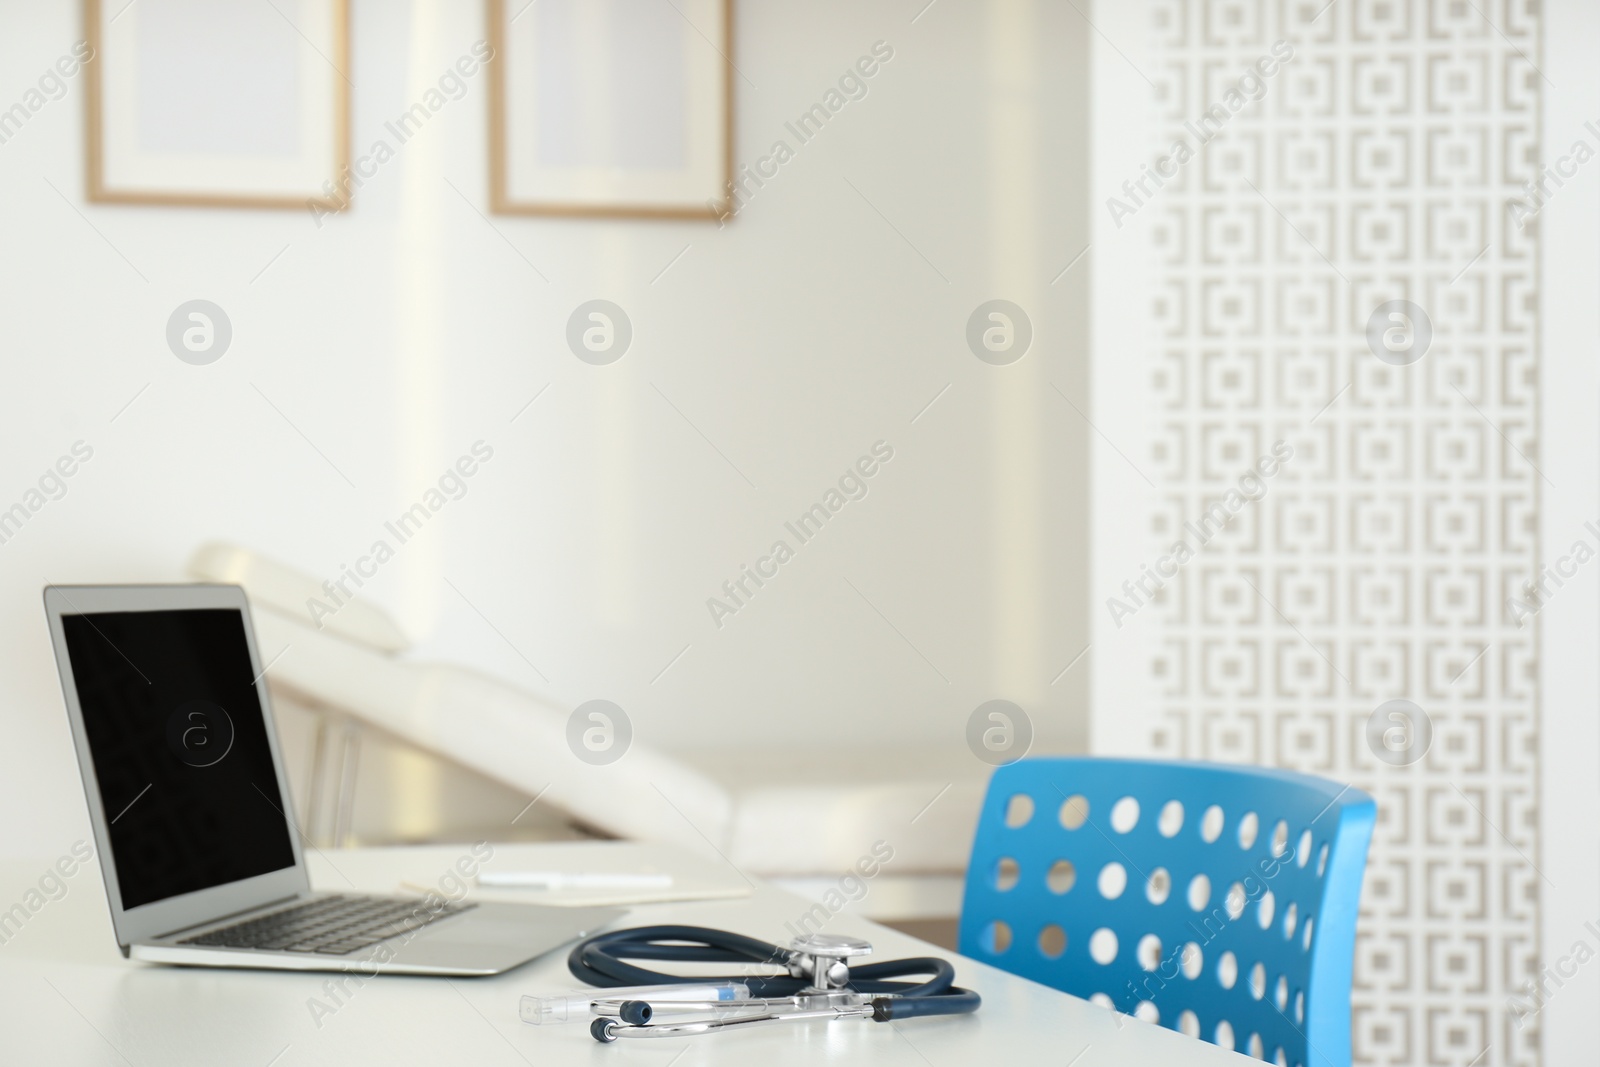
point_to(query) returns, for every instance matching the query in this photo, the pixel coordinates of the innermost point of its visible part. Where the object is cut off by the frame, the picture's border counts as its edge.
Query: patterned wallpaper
(1372, 165)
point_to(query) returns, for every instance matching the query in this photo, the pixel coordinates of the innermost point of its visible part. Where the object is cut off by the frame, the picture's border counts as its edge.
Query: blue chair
(1214, 899)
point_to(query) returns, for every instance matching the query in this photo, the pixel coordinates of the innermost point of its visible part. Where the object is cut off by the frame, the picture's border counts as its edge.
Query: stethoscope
(819, 984)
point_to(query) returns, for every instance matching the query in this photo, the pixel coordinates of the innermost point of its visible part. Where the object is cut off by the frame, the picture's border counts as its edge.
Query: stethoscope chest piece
(823, 959)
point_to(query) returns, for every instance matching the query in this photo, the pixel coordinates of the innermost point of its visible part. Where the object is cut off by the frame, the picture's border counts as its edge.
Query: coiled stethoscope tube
(818, 983)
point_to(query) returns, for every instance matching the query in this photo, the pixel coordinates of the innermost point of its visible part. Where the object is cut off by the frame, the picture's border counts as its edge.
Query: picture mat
(220, 101)
(615, 103)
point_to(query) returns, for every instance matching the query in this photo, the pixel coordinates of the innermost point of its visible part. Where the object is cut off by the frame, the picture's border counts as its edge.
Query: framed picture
(611, 108)
(227, 103)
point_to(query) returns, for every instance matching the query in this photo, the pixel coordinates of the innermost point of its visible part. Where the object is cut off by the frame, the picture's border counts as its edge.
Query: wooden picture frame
(519, 184)
(143, 147)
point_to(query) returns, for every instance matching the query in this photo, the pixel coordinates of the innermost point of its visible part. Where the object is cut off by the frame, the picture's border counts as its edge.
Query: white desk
(67, 996)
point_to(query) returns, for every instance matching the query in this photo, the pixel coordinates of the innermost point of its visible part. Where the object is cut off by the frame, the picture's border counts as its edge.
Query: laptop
(202, 859)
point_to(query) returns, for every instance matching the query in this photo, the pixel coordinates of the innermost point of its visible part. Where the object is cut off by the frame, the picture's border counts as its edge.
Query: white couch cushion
(289, 592)
(806, 829)
(777, 811)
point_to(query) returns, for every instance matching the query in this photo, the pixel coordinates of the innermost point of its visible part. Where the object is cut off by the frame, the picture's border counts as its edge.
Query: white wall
(1569, 633)
(395, 337)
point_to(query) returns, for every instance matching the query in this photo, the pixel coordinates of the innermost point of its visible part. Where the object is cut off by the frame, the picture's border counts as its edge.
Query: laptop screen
(175, 729)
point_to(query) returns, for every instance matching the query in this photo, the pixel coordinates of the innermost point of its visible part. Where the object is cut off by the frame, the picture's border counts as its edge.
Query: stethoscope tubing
(601, 961)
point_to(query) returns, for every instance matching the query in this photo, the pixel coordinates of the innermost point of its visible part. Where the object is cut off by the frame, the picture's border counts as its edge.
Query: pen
(576, 1004)
(572, 880)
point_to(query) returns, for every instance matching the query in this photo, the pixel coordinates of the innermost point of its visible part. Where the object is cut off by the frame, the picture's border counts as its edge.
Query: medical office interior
(745, 459)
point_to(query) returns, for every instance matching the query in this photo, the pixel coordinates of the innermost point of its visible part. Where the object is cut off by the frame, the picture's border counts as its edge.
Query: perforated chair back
(1214, 899)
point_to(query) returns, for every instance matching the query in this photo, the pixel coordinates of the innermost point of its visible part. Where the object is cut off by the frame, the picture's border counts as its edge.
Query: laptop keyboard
(330, 926)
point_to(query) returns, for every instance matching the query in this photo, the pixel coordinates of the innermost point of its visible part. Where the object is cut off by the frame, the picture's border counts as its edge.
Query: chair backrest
(1217, 900)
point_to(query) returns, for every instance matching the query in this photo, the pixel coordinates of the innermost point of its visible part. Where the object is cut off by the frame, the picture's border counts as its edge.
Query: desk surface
(68, 996)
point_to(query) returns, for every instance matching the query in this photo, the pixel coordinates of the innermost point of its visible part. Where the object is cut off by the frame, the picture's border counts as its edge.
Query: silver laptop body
(192, 815)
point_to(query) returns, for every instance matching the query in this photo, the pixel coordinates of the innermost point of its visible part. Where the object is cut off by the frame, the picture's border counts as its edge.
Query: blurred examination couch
(384, 748)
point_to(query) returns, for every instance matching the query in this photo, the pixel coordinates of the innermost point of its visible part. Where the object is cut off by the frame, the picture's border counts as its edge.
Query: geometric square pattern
(1373, 165)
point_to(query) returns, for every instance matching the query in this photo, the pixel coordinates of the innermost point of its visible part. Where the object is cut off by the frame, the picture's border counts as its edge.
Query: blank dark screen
(180, 749)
